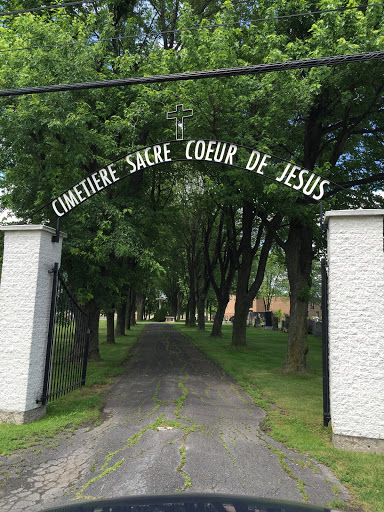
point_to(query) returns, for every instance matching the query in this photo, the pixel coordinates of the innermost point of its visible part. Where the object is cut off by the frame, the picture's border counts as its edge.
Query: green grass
(80, 407)
(296, 416)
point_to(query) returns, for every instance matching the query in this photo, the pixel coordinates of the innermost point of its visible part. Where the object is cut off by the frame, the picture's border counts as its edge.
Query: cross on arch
(179, 115)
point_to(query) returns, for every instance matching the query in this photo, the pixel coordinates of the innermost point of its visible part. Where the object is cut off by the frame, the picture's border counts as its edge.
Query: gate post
(356, 328)
(25, 296)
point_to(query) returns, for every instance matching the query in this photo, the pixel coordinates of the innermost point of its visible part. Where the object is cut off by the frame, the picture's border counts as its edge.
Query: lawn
(296, 417)
(79, 407)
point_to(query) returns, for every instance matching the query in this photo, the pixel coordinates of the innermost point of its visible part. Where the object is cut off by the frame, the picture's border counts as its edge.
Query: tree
(222, 274)
(324, 119)
(275, 279)
(336, 115)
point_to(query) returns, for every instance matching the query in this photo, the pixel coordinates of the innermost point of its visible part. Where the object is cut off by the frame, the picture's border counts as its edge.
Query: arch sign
(189, 150)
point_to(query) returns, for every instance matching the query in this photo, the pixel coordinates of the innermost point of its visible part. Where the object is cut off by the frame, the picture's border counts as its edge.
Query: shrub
(160, 314)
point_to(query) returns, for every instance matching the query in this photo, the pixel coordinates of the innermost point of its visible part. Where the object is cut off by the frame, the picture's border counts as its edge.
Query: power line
(188, 29)
(198, 75)
(46, 7)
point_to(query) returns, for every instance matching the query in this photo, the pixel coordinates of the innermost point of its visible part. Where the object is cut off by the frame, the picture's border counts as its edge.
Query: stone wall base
(358, 444)
(20, 418)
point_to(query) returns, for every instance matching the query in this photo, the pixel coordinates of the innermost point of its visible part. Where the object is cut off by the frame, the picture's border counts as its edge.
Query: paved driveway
(174, 422)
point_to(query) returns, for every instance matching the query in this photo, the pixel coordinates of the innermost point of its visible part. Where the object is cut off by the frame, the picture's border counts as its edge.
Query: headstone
(268, 320)
(275, 323)
(260, 315)
(318, 330)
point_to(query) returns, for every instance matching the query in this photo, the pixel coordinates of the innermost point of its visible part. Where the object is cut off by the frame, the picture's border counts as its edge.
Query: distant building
(282, 303)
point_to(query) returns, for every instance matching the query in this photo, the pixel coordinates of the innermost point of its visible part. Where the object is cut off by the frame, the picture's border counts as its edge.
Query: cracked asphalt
(174, 422)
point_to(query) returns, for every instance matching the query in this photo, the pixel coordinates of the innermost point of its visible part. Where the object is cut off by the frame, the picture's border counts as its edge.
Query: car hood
(189, 503)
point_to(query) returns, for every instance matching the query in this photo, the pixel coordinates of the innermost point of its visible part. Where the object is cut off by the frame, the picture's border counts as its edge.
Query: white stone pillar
(356, 328)
(25, 297)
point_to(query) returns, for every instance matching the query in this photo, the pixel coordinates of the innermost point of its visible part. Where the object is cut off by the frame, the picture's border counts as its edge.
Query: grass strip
(296, 416)
(79, 407)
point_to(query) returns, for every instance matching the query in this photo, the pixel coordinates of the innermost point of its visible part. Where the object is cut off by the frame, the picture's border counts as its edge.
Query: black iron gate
(68, 338)
(324, 307)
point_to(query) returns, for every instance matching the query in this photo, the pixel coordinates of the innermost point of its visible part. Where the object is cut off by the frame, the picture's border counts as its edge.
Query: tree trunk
(192, 309)
(130, 309)
(201, 313)
(93, 310)
(128, 313)
(120, 322)
(110, 327)
(219, 317)
(243, 299)
(133, 317)
(187, 313)
(242, 305)
(299, 255)
(133, 308)
(180, 297)
(140, 307)
(245, 293)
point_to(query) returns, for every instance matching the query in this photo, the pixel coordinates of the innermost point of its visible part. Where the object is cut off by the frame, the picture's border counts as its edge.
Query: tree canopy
(218, 232)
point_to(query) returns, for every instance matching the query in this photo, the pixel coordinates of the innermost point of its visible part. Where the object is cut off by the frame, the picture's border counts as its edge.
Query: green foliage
(278, 313)
(160, 314)
(275, 283)
(305, 293)
(131, 236)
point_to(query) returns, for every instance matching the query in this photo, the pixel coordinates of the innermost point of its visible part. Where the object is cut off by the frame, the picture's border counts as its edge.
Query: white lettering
(284, 173)
(291, 175)
(199, 153)
(63, 205)
(59, 214)
(103, 175)
(112, 173)
(91, 185)
(96, 181)
(78, 193)
(209, 150)
(156, 153)
(263, 163)
(321, 189)
(147, 157)
(301, 179)
(231, 152)
(187, 149)
(140, 162)
(250, 166)
(82, 183)
(70, 200)
(128, 159)
(305, 189)
(218, 158)
(166, 153)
